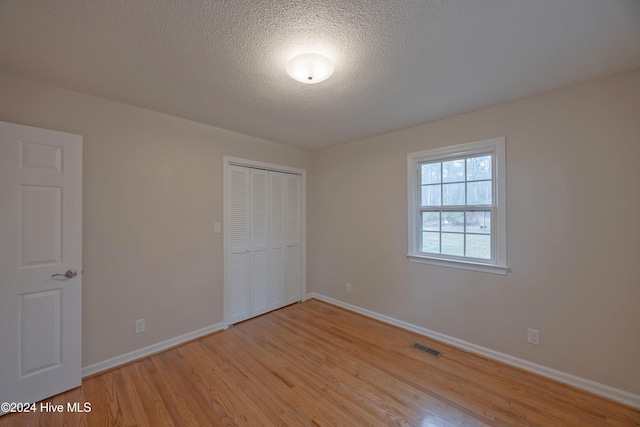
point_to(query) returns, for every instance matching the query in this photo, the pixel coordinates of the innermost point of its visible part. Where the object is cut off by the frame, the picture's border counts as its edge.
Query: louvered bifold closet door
(277, 238)
(263, 247)
(237, 297)
(292, 259)
(259, 256)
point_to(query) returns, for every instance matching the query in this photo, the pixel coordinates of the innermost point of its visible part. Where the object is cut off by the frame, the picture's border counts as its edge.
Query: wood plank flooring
(313, 364)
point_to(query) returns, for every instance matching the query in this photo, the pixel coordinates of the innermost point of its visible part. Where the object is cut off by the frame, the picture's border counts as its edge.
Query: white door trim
(236, 161)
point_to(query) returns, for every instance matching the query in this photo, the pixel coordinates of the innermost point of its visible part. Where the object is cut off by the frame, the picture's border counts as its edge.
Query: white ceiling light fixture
(310, 68)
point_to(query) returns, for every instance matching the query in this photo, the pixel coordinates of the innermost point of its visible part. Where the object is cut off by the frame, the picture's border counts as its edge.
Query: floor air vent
(434, 353)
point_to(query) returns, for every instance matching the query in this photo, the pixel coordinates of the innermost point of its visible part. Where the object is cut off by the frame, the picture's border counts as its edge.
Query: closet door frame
(229, 162)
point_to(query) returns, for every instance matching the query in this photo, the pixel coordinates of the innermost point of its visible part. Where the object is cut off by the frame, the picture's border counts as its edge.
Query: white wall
(573, 167)
(152, 191)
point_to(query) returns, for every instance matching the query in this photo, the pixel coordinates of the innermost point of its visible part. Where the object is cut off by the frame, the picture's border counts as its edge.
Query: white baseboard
(615, 394)
(147, 351)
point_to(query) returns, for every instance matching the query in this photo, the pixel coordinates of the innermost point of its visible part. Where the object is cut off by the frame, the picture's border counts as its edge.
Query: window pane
(431, 243)
(479, 168)
(453, 221)
(431, 195)
(431, 221)
(479, 193)
(479, 222)
(453, 171)
(431, 173)
(452, 244)
(453, 194)
(455, 215)
(478, 246)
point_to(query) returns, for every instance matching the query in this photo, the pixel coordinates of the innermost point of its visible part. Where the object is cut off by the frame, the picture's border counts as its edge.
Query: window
(457, 206)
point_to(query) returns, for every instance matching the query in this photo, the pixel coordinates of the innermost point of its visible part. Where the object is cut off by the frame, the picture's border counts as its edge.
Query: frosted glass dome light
(310, 68)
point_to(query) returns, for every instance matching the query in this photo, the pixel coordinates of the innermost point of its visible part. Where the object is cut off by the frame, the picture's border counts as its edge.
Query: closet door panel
(277, 238)
(292, 261)
(237, 299)
(259, 274)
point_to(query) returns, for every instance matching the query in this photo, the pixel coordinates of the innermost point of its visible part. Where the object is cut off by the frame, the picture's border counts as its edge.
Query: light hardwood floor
(315, 364)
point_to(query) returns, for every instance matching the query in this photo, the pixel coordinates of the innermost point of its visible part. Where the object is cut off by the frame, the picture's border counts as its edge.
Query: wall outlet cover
(140, 326)
(533, 336)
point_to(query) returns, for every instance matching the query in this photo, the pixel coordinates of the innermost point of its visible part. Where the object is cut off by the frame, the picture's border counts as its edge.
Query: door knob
(70, 274)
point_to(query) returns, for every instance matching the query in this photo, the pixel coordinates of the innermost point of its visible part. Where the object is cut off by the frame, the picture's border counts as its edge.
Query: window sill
(463, 265)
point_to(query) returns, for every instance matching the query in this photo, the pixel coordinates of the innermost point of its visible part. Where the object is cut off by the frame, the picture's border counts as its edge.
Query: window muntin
(463, 181)
(457, 212)
(451, 197)
(457, 233)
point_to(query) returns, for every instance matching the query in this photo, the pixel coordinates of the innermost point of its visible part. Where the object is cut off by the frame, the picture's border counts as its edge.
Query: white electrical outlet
(348, 287)
(140, 326)
(533, 336)
(217, 228)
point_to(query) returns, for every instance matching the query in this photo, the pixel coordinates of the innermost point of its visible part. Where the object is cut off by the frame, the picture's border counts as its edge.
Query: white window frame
(495, 147)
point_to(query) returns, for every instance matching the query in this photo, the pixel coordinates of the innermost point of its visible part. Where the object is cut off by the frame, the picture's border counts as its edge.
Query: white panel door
(40, 241)
(237, 302)
(293, 251)
(258, 255)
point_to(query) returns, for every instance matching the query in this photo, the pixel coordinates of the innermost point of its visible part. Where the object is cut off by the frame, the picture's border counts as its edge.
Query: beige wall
(153, 188)
(152, 191)
(573, 167)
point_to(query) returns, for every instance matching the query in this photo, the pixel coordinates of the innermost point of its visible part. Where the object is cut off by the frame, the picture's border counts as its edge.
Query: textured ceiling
(397, 63)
